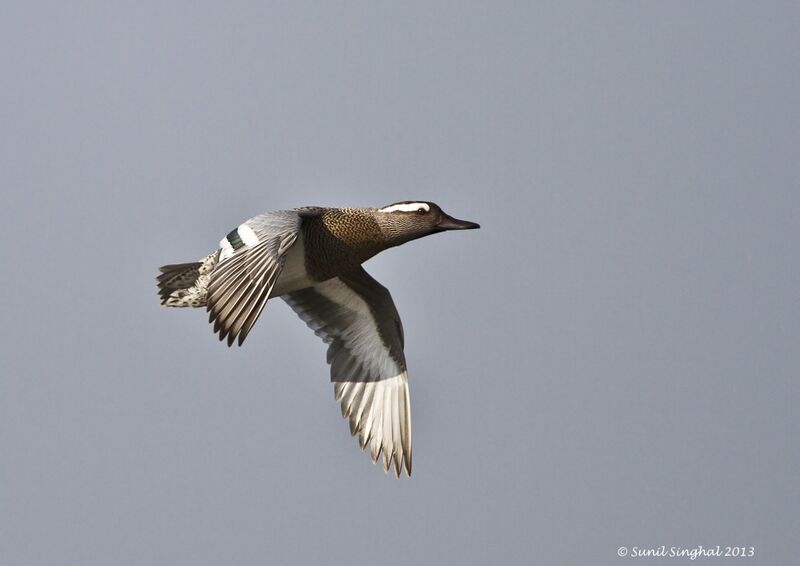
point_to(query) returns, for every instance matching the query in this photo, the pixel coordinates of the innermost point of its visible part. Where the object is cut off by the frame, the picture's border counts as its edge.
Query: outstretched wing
(251, 259)
(356, 317)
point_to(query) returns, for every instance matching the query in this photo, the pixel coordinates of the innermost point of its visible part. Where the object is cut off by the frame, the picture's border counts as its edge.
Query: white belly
(294, 275)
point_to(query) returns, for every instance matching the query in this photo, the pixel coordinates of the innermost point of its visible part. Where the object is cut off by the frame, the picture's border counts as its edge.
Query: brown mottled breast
(338, 239)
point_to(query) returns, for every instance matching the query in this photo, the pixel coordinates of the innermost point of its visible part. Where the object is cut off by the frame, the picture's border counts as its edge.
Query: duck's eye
(421, 210)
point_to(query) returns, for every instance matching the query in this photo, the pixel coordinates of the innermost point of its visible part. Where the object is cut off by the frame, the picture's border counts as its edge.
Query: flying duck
(311, 258)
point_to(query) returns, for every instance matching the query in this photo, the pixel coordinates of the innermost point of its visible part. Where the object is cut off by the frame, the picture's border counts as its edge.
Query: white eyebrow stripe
(407, 207)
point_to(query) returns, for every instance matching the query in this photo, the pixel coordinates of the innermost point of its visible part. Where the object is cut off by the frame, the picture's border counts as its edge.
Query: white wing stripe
(247, 235)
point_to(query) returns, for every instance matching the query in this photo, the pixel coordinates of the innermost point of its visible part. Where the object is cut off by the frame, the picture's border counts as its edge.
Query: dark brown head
(404, 221)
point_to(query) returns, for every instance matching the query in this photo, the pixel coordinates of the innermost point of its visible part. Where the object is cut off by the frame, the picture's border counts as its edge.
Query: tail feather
(184, 284)
(175, 277)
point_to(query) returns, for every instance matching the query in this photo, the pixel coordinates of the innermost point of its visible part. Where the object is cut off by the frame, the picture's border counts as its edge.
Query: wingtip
(387, 461)
(230, 339)
(376, 452)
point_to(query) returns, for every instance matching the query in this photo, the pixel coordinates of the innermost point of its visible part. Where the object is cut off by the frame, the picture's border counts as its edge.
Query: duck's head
(408, 220)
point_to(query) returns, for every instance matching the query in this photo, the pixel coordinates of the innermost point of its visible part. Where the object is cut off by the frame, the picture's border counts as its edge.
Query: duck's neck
(338, 240)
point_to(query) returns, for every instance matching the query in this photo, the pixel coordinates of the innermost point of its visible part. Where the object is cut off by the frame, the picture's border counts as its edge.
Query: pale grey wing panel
(251, 261)
(356, 317)
(279, 223)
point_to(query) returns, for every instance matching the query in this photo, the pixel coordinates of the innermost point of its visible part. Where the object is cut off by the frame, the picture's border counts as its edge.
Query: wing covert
(251, 259)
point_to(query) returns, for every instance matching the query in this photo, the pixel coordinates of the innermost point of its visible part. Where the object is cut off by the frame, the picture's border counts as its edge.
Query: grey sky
(611, 360)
